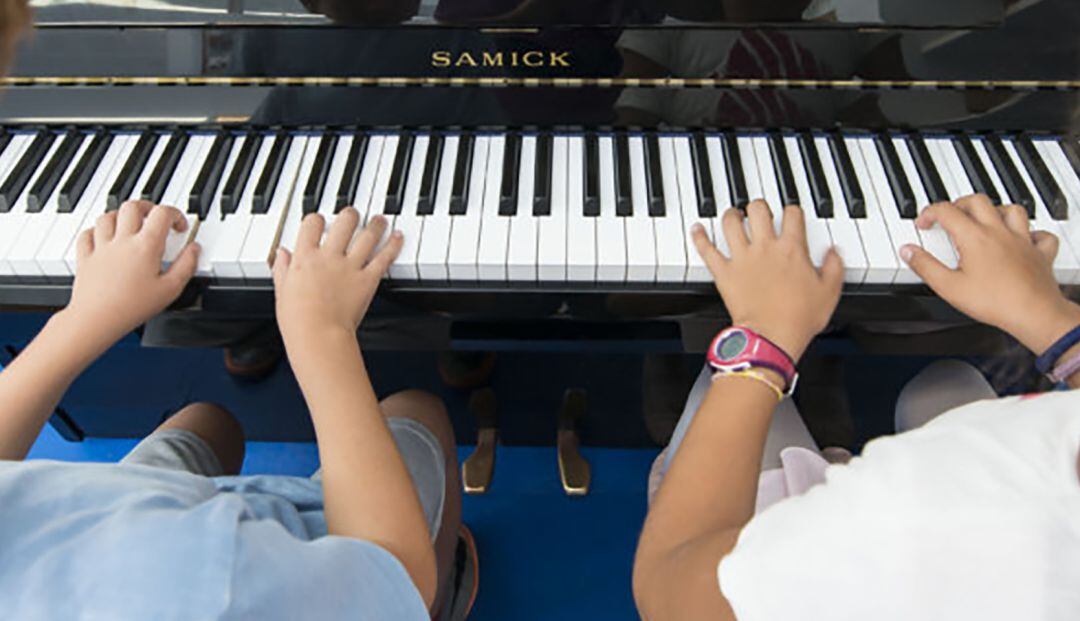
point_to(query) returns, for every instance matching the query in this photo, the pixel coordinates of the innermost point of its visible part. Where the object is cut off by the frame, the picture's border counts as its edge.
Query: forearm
(368, 491)
(1044, 327)
(32, 385)
(707, 496)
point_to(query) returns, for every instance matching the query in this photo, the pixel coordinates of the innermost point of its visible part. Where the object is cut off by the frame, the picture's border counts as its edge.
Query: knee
(941, 386)
(423, 407)
(217, 427)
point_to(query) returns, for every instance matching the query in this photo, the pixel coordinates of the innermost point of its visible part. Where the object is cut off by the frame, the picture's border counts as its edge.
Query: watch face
(732, 345)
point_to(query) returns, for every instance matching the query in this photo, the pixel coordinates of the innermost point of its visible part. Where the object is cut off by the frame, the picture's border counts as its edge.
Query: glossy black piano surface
(990, 85)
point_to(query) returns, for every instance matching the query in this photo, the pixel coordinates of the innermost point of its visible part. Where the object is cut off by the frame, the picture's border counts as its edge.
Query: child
(972, 516)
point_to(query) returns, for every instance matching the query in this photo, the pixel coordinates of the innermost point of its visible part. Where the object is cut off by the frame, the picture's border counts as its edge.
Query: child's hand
(1005, 276)
(769, 283)
(119, 283)
(326, 286)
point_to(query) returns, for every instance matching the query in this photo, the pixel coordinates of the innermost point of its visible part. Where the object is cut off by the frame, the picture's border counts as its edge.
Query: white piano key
(988, 164)
(879, 247)
(212, 228)
(949, 168)
(225, 255)
(260, 245)
(580, 229)
(721, 192)
(521, 253)
(13, 221)
(52, 257)
(818, 237)
(769, 186)
(409, 222)
(160, 144)
(748, 159)
(178, 192)
(640, 231)
(696, 270)
(23, 253)
(551, 240)
(18, 145)
(1066, 265)
(435, 243)
(494, 229)
(381, 183)
(670, 238)
(465, 228)
(365, 184)
(879, 196)
(934, 240)
(610, 228)
(1062, 172)
(328, 201)
(877, 270)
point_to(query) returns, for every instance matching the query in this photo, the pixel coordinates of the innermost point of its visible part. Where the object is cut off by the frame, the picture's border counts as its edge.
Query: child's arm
(118, 285)
(323, 291)
(708, 494)
(1005, 277)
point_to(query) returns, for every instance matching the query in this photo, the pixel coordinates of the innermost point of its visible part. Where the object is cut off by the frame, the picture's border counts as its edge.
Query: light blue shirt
(102, 541)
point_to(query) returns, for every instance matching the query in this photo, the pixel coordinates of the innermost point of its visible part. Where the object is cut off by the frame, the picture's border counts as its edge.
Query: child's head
(14, 19)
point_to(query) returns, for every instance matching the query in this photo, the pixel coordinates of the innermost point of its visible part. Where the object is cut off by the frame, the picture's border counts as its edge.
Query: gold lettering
(538, 56)
(558, 59)
(513, 59)
(440, 58)
(493, 60)
(465, 59)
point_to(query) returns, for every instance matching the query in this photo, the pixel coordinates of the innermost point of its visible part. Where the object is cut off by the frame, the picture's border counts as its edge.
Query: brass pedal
(574, 470)
(479, 468)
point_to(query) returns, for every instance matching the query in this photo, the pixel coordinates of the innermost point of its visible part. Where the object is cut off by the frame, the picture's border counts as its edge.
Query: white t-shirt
(975, 516)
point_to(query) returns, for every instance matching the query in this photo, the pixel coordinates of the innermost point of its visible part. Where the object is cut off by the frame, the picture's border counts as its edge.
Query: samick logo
(530, 58)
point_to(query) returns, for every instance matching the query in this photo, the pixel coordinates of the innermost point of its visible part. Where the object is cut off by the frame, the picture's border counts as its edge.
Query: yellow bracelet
(754, 375)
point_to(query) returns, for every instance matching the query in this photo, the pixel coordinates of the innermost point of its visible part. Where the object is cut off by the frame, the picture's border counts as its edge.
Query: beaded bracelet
(754, 375)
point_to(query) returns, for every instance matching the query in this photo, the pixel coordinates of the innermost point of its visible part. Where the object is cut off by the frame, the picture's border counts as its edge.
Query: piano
(545, 161)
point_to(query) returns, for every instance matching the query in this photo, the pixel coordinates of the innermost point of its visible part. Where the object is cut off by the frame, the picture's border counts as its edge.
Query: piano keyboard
(525, 206)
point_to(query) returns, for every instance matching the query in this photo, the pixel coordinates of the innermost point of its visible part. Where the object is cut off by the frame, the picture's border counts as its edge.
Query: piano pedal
(574, 470)
(478, 469)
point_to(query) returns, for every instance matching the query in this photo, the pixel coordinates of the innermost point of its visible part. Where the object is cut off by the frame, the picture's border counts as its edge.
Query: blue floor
(542, 555)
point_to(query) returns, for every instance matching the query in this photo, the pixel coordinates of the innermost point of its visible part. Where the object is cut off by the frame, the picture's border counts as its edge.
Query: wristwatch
(738, 348)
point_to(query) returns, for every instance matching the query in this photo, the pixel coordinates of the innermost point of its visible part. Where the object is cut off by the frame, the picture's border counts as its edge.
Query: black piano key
(395, 193)
(849, 184)
(654, 176)
(789, 194)
(268, 180)
(1009, 175)
(129, 173)
(624, 202)
(699, 153)
(511, 164)
(973, 167)
(320, 169)
(206, 183)
(459, 196)
(1072, 153)
(815, 174)
(5, 139)
(1045, 184)
(592, 176)
(241, 171)
(429, 182)
(902, 193)
(542, 186)
(740, 197)
(346, 192)
(54, 169)
(165, 168)
(931, 180)
(20, 174)
(84, 171)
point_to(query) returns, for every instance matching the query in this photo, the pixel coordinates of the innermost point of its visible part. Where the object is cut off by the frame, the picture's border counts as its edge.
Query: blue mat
(542, 555)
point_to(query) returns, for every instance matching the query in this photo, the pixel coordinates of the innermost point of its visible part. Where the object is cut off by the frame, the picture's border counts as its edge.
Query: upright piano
(545, 159)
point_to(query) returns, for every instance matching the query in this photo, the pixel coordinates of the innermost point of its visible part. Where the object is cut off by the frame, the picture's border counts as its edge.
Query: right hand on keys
(326, 285)
(1005, 274)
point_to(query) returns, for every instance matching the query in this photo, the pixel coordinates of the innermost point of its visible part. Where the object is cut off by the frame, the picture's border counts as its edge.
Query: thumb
(832, 271)
(1046, 243)
(183, 268)
(281, 265)
(933, 272)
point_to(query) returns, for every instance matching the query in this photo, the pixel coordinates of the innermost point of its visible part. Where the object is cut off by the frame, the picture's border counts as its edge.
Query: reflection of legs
(428, 410)
(786, 429)
(201, 438)
(940, 387)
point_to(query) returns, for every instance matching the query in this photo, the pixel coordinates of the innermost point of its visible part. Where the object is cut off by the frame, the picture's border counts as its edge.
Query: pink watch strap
(1064, 369)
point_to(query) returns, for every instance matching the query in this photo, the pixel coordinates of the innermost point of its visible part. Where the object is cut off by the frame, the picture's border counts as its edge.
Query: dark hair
(14, 19)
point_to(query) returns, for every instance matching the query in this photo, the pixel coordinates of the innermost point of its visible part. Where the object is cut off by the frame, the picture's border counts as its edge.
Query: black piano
(545, 160)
